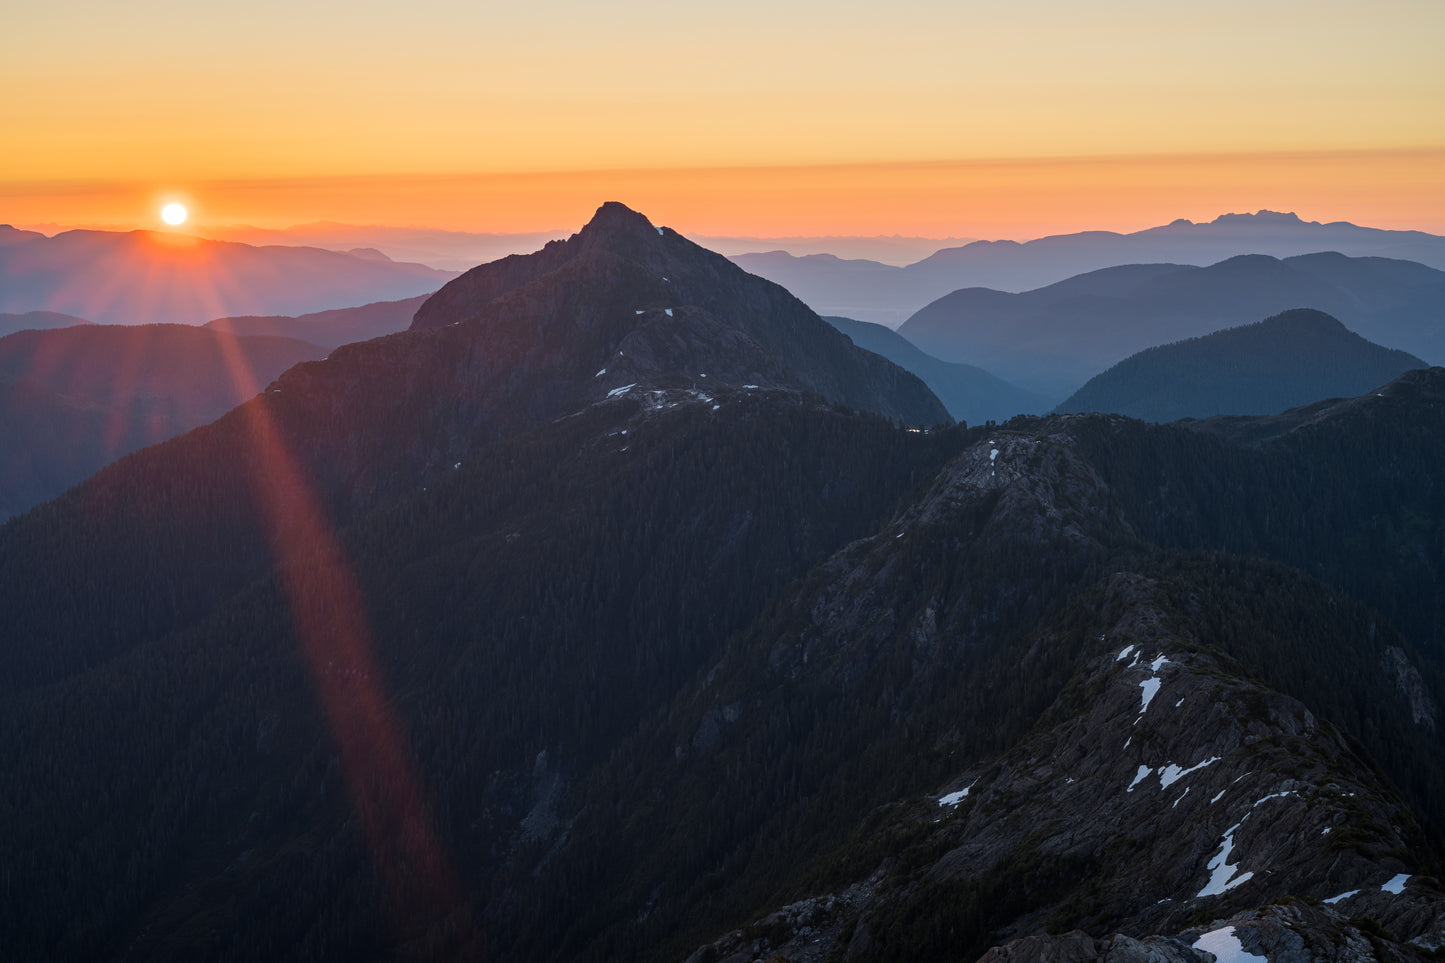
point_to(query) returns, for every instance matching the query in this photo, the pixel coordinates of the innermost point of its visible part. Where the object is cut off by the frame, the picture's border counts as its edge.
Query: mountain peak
(1261, 217)
(624, 303)
(614, 217)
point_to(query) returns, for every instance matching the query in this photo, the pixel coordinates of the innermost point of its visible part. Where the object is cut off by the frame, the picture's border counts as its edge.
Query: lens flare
(174, 214)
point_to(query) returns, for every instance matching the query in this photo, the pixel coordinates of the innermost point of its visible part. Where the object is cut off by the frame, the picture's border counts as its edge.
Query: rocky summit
(625, 305)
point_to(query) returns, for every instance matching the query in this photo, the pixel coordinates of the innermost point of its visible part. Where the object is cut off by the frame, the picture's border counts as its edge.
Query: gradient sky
(780, 117)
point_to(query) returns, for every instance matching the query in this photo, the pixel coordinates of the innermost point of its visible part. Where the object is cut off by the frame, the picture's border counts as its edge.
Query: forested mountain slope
(76, 398)
(1282, 362)
(450, 647)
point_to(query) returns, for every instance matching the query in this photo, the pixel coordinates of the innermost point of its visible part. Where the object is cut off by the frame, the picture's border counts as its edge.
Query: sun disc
(173, 214)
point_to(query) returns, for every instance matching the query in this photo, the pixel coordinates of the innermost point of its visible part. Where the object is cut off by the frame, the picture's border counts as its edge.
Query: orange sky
(781, 118)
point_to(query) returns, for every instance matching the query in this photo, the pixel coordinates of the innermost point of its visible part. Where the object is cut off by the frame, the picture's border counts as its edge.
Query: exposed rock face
(1012, 489)
(1079, 947)
(1411, 686)
(1161, 789)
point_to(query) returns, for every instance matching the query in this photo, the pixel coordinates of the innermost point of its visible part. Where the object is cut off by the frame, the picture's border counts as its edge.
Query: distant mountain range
(434, 247)
(36, 321)
(332, 328)
(1291, 359)
(887, 294)
(144, 277)
(75, 399)
(969, 393)
(1055, 338)
(459, 250)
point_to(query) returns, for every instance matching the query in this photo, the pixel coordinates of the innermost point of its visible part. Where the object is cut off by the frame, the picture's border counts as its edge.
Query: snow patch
(659, 232)
(1181, 798)
(619, 392)
(1226, 947)
(1139, 777)
(1123, 653)
(600, 373)
(1171, 773)
(1217, 795)
(667, 311)
(1179, 703)
(1151, 689)
(992, 455)
(1396, 885)
(456, 466)
(639, 312)
(954, 798)
(1343, 896)
(1158, 662)
(1223, 876)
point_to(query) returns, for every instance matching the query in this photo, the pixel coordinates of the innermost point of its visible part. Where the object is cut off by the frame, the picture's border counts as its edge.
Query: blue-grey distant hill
(1057, 337)
(887, 294)
(332, 328)
(149, 277)
(37, 321)
(74, 399)
(1292, 359)
(969, 392)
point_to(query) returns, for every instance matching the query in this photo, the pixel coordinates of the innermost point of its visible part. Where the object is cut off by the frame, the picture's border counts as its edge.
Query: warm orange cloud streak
(987, 198)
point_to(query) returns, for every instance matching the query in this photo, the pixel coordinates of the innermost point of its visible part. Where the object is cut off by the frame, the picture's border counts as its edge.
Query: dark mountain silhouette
(442, 649)
(1289, 360)
(885, 294)
(969, 393)
(143, 277)
(1062, 335)
(645, 306)
(36, 321)
(332, 328)
(78, 398)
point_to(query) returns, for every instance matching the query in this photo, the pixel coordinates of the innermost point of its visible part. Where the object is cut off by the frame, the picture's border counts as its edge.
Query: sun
(174, 214)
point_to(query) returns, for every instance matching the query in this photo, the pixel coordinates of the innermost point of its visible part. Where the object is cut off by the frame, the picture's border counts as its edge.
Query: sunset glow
(923, 117)
(173, 214)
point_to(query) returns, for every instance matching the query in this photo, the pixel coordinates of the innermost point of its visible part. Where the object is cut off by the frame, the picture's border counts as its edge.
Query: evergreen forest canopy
(407, 659)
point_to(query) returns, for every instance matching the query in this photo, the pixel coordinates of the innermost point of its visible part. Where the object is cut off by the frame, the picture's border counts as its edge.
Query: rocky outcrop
(1411, 686)
(1162, 788)
(1080, 947)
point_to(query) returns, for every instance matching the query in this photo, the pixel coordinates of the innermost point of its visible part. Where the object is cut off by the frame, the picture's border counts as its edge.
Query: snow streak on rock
(1224, 877)
(1226, 947)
